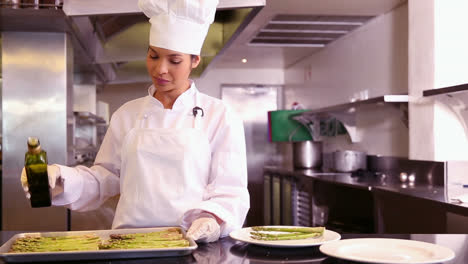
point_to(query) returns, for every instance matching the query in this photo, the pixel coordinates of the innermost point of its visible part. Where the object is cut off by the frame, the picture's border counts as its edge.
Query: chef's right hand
(55, 182)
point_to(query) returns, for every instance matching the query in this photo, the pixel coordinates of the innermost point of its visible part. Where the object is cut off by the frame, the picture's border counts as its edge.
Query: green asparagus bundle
(162, 239)
(167, 238)
(286, 233)
(143, 244)
(290, 229)
(47, 244)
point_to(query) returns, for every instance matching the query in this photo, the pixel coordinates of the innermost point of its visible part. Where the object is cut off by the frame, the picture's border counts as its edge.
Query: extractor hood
(110, 37)
(108, 7)
(126, 41)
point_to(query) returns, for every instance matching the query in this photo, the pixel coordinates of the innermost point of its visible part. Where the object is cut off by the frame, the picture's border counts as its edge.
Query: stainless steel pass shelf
(447, 90)
(349, 106)
(346, 114)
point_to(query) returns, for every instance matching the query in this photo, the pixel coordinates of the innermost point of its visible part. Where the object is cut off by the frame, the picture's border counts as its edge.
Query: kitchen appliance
(307, 154)
(349, 160)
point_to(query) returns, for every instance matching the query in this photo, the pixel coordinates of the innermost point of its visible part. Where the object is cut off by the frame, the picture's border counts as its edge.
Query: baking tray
(94, 254)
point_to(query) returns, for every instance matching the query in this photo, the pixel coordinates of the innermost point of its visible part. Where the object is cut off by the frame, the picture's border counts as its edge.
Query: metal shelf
(447, 90)
(84, 155)
(346, 107)
(86, 149)
(89, 118)
(345, 113)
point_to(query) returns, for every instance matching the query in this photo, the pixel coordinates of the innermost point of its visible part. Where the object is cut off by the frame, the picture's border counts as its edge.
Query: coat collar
(186, 99)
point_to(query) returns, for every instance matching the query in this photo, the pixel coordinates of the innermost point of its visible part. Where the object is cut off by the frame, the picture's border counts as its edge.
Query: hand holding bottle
(55, 185)
(38, 178)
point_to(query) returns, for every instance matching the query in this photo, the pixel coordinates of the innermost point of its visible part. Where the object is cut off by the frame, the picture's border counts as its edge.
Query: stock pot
(349, 160)
(307, 154)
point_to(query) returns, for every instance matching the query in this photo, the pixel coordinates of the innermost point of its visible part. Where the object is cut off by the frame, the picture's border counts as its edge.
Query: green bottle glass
(35, 164)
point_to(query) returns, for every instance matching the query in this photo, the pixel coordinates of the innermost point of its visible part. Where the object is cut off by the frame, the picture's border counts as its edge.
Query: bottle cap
(33, 142)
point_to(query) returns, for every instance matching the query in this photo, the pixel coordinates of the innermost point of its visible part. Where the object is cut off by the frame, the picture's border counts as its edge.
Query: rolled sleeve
(86, 188)
(72, 184)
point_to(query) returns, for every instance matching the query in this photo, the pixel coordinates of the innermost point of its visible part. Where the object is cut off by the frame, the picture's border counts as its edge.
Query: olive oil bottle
(35, 164)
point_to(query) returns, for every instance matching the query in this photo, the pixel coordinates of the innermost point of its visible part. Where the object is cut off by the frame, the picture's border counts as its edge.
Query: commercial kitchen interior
(393, 71)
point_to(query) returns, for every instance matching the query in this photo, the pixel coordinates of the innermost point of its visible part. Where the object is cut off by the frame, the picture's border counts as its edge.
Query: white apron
(164, 172)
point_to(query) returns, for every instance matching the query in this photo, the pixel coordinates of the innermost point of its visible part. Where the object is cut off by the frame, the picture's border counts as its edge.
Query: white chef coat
(226, 193)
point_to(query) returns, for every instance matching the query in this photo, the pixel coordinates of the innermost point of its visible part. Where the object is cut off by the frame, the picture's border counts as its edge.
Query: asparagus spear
(44, 244)
(56, 239)
(54, 248)
(290, 229)
(143, 242)
(143, 239)
(290, 237)
(162, 235)
(261, 234)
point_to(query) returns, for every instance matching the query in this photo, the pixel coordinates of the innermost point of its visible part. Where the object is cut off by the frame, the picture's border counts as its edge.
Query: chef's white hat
(179, 25)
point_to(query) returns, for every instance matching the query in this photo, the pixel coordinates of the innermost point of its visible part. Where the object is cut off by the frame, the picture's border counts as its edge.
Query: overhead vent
(306, 30)
(108, 26)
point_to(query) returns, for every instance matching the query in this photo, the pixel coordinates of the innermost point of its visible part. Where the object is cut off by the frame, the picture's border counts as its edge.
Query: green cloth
(280, 126)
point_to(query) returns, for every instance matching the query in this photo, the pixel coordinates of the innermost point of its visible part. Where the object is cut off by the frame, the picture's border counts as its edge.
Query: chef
(175, 156)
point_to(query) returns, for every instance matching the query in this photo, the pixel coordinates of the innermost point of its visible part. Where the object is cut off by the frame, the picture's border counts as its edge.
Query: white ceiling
(283, 57)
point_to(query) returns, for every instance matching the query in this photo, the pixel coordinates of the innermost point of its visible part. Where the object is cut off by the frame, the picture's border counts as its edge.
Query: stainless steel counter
(368, 203)
(227, 250)
(433, 193)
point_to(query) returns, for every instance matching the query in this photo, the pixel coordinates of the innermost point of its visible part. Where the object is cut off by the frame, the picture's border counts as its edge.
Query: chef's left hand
(204, 229)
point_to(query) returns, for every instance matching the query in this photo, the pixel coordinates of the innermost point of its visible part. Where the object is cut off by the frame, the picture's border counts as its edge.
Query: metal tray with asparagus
(97, 244)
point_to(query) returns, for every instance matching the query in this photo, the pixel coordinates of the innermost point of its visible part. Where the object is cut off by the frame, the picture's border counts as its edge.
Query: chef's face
(170, 70)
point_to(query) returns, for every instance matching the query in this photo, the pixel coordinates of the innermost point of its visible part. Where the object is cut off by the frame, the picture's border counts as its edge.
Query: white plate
(244, 236)
(386, 250)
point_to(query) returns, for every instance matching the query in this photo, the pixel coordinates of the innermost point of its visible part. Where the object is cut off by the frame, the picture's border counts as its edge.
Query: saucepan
(349, 160)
